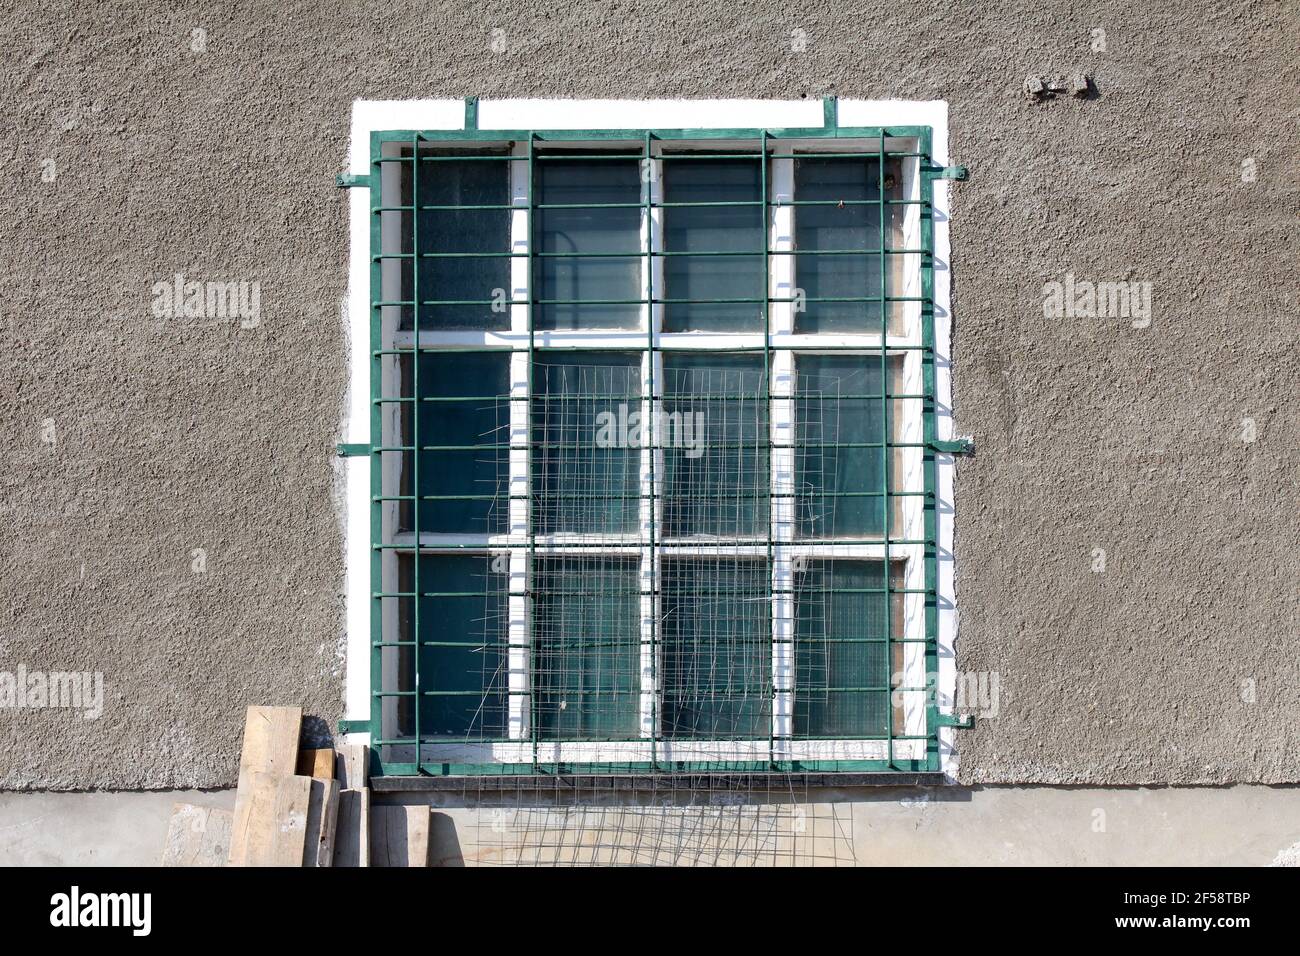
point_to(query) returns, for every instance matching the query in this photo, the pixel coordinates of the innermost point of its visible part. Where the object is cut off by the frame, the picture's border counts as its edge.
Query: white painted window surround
(371, 116)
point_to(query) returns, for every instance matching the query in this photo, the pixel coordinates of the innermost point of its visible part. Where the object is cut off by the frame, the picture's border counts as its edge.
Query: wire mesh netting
(628, 641)
(692, 820)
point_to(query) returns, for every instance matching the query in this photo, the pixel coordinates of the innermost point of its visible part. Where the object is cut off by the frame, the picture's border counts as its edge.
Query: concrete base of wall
(1244, 825)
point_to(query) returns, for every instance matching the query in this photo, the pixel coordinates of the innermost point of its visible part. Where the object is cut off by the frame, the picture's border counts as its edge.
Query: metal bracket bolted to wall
(830, 112)
(354, 726)
(960, 721)
(957, 446)
(353, 449)
(350, 180)
(959, 173)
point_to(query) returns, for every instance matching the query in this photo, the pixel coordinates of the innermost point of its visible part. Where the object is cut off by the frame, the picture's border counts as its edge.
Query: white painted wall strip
(368, 116)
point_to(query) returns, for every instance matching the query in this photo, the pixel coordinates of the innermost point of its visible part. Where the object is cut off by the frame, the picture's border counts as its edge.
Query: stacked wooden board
(297, 807)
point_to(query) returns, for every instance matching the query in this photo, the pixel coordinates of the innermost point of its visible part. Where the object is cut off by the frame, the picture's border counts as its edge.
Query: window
(656, 483)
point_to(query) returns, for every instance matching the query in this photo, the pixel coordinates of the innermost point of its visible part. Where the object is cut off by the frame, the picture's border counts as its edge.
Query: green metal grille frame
(470, 136)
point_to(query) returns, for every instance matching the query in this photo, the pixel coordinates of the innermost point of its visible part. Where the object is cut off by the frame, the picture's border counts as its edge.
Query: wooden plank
(270, 827)
(399, 836)
(270, 747)
(351, 766)
(271, 740)
(352, 836)
(198, 836)
(322, 820)
(316, 763)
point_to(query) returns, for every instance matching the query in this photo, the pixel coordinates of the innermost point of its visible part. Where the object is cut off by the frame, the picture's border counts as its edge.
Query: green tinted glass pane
(716, 648)
(840, 645)
(608, 232)
(462, 183)
(586, 430)
(476, 477)
(701, 229)
(464, 601)
(715, 434)
(841, 228)
(829, 477)
(586, 624)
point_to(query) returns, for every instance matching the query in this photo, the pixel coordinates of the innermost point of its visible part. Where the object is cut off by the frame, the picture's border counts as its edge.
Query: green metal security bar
(420, 152)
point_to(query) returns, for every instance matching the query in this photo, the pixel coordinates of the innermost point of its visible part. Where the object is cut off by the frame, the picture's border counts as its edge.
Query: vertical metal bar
(929, 434)
(886, 449)
(767, 406)
(376, 440)
(648, 173)
(415, 429)
(530, 563)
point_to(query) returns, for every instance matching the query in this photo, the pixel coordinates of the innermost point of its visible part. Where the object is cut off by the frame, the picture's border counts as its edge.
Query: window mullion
(519, 631)
(651, 458)
(781, 425)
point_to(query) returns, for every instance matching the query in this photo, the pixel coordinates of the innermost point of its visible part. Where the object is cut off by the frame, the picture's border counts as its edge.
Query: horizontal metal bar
(629, 692)
(645, 592)
(670, 146)
(637, 136)
(797, 348)
(699, 204)
(547, 398)
(647, 446)
(632, 496)
(735, 300)
(665, 254)
(800, 642)
(524, 207)
(682, 737)
(634, 546)
(758, 784)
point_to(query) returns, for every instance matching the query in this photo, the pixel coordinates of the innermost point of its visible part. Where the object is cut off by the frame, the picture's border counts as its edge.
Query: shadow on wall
(655, 823)
(444, 842)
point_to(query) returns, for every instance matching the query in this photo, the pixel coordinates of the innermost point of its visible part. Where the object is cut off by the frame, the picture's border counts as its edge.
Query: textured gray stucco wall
(132, 441)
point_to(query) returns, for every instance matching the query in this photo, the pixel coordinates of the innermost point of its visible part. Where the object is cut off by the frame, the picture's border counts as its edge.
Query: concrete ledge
(920, 826)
